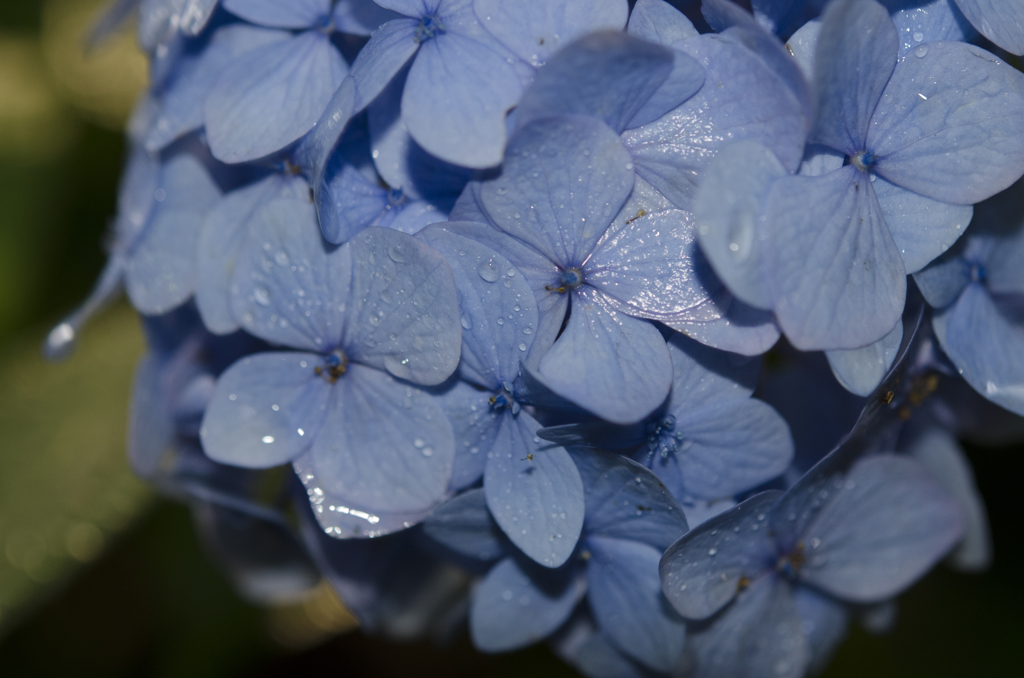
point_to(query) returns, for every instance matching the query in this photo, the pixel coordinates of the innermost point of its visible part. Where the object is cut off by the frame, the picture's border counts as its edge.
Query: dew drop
(261, 296)
(921, 51)
(489, 271)
(918, 36)
(268, 439)
(712, 551)
(466, 323)
(281, 258)
(522, 346)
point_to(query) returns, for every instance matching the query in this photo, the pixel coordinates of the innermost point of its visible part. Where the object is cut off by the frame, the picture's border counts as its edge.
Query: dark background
(121, 587)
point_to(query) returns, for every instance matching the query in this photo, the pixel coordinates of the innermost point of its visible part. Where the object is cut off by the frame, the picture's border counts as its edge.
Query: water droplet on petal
(489, 271)
(921, 51)
(261, 296)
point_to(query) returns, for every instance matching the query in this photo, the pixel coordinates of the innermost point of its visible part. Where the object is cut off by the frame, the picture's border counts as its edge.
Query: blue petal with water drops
(905, 523)
(388, 50)
(161, 266)
(534, 30)
(359, 17)
(609, 76)
(475, 425)
(728, 209)
(703, 571)
(498, 310)
(921, 227)
(950, 124)
(351, 202)
(742, 98)
(385, 446)
(624, 593)
(518, 603)
(856, 53)
(837, 277)
(739, 329)
(534, 491)
(649, 266)
(294, 14)
(183, 95)
(624, 500)
(919, 22)
(1001, 21)
(403, 313)
(224, 233)
(315, 149)
(985, 347)
(264, 102)
(267, 409)
(287, 285)
(861, 370)
(759, 636)
(547, 210)
(464, 525)
(608, 363)
(659, 22)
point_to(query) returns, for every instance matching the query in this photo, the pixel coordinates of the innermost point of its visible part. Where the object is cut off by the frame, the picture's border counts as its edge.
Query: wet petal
(929, 21)
(475, 426)
(404, 312)
(389, 48)
(999, 21)
(386, 446)
(464, 525)
(266, 410)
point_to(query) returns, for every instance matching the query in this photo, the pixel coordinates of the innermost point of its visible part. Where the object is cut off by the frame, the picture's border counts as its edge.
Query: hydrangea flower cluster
(460, 305)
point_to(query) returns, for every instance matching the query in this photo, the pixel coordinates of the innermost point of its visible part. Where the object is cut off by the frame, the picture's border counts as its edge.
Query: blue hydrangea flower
(533, 490)
(374, 452)
(976, 289)
(748, 569)
(630, 518)
(709, 440)
(914, 168)
(1001, 21)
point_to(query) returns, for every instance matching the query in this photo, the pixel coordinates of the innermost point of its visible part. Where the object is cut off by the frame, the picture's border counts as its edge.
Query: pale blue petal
(939, 452)
(135, 196)
(684, 81)
(942, 281)
(535, 29)
(920, 21)
(984, 346)
(728, 209)
(624, 593)
(703, 376)
(475, 425)
(160, 268)
(518, 604)
(385, 446)
(803, 45)
(360, 17)
(950, 124)
(414, 8)
(389, 48)
(403, 314)
(704, 570)
(650, 267)
(223, 232)
(266, 410)
(609, 76)
(182, 99)
(563, 210)
(402, 163)
(856, 53)
(286, 283)
(726, 449)
(540, 273)
(342, 518)
(607, 362)
(292, 14)
(824, 623)
(742, 98)
(498, 310)
(314, 151)
(921, 227)
(624, 500)
(538, 501)
(265, 102)
(836, 274)
(861, 370)
(741, 329)
(884, 527)
(464, 525)
(350, 202)
(196, 15)
(758, 636)
(1000, 21)
(412, 217)
(659, 22)
(596, 657)
(456, 98)
(820, 160)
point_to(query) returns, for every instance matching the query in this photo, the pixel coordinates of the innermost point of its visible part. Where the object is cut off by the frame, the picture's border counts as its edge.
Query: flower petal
(464, 525)
(293, 14)
(999, 21)
(861, 370)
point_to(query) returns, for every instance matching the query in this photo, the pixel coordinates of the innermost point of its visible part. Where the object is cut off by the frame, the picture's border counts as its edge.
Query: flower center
(335, 364)
(789, 565)
(429, 27)
(661, 438)
(865, 161)
(978, 273)
(503, 399)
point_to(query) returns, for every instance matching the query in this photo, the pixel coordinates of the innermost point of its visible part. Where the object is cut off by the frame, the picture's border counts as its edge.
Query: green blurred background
(98, 576)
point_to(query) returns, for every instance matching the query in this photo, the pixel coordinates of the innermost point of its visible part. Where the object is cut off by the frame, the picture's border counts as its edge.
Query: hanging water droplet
(396, 254)
(261, 296)
(466, 323)
(527, 330)
(522, 346)
(918, 36)
(489, 271)
(281, 258)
